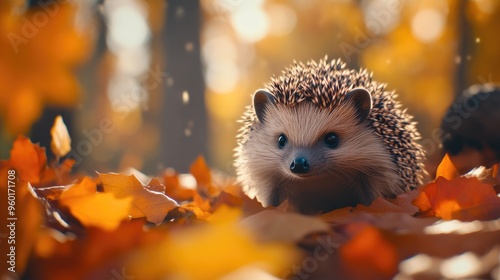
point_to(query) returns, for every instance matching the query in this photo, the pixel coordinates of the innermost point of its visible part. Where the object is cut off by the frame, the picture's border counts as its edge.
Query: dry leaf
(103, 210)
(173, 187)
(201, 172)
(199, 206)
(462, 198)
(447, 169)
(273, 225)
(20, 223)
(61, 142)
(28, 160)
(152, 205)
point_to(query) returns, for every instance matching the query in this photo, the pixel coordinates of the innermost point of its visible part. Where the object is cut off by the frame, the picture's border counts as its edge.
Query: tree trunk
(184, 125)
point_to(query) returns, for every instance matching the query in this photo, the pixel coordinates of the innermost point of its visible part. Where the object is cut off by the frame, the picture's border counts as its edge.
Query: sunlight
(384, 14)
(460, 266)
(222, 77)
(416, 264)
(219, 53)
(282, 19)
(427, 25)
(127, 27)
(251, 24)
(454, 226)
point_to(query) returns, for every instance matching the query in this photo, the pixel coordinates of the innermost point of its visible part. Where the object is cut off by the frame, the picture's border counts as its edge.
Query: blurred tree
(184, 129)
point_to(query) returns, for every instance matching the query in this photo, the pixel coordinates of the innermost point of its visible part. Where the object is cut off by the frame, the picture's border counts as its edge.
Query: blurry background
(151, 84)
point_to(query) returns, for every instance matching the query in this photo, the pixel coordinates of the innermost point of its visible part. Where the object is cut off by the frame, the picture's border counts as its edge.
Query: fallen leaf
(447, 169)
(103, 210)
(28, 159)
(95, 255)
(173, 187)
(20, 223)
(61, 142)
(368, 255)
(155, 185)
(273, 225)
(463, 198)
(199, 206)
(401, 204)
(211, 251)
(86, 187)
(201, 173)
(152, 205)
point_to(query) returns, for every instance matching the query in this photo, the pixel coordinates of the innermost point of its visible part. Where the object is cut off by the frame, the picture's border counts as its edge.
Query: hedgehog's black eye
(331, 140)
(282, 141)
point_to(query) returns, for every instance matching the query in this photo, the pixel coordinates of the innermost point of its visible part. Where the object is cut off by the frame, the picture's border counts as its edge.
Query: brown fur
(370, 160)
(357, 171)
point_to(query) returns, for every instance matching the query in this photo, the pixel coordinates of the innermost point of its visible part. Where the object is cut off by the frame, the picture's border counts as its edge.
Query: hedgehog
(322, 137)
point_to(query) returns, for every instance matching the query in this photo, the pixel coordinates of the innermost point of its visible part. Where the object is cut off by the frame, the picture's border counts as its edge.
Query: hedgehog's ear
(261, 99)
(362, 101)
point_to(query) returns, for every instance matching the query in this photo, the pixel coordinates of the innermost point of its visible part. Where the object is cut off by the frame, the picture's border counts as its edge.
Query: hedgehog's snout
(299, 165)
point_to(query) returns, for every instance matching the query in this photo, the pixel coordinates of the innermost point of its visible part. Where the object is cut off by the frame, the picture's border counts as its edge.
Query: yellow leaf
(102, 210)
(61, 142)
(150, 204)
(212, 251)
(85, 187)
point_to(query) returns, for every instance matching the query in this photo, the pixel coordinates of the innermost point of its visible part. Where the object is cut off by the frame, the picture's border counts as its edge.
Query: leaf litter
(133, 225)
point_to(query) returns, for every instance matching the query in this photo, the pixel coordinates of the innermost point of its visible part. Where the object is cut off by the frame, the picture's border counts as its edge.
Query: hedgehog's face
(308, 142)
(317, 158)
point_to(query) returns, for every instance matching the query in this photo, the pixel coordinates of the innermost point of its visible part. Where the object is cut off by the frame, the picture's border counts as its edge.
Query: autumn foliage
(112, 225)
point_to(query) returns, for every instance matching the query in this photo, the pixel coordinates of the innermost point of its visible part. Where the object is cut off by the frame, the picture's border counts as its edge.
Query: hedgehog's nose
(299, 165)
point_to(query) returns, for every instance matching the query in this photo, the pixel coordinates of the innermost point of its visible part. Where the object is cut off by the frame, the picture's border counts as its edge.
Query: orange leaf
(461, 198)
(424, 205)
(201, 173)
(61, 142)
(173, 187)
(199, 206)
(28, 219)
(447, 169)
(85, 187)
(28, 159)
(103, 210)
(152, 205)
(58, 173)
(368, 255)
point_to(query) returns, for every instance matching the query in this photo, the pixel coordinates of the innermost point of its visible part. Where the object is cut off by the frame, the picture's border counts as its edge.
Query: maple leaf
(447, 169)
(103, 210)
(462, 198)
(33, 72)
(30, 162)
(146, 203)
(61, 142)
(201, 173)
(28, 159)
